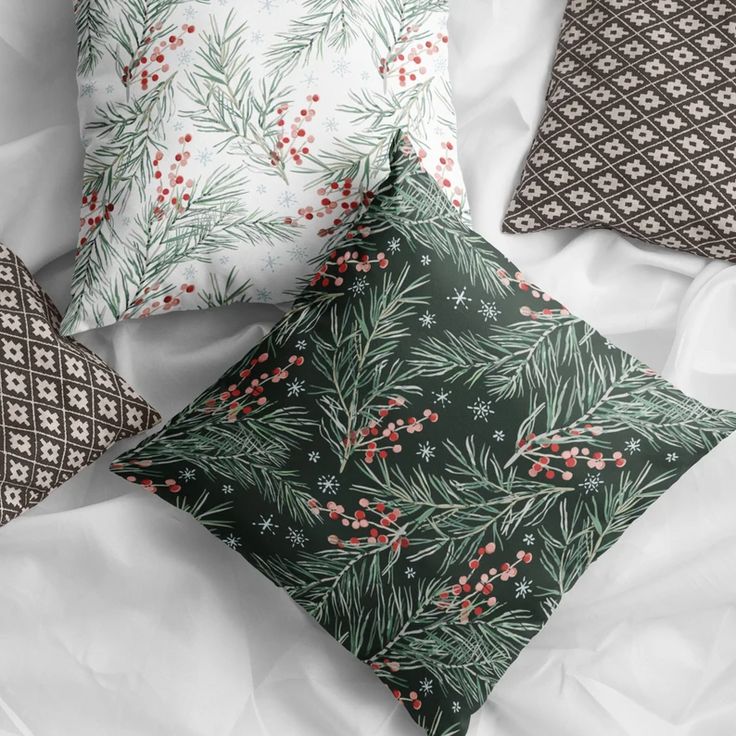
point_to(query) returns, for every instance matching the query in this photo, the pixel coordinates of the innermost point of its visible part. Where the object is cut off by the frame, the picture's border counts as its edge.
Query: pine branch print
(332, 23)
(234, 289)
(124, 136)
(471, 500)
(142, 38)
(249, 117)
(354, 360)
(92, 20)
(193, 224)
(510, 359)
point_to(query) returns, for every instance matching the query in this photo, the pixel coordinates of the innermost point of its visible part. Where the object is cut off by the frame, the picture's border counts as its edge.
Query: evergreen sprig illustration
(511, 358)
(214, 219)
(227, 101)
(332, 23)
(356, 360)
(92, 20)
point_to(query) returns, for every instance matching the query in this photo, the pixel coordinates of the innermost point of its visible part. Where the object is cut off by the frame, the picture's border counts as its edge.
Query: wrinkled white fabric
(121, 616)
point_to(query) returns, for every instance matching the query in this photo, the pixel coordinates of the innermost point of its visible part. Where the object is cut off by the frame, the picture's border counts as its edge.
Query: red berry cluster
(406, 59)
(337, 201)
(177, 194)
(444, 170)
(412, 698)
(154, 299)
(367, 439)
(386, 665)
(95, 214)
(468, 598)
(379, 523)
(242, 398)
(148, 483)
(536, 292)
(296, 144)
(149, 61)
(555, 453)
(363, 263)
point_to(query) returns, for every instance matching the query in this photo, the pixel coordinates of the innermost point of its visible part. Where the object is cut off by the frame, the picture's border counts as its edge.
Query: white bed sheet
(119, 616)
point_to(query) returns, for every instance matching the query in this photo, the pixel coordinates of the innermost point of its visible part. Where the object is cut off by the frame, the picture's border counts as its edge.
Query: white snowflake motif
(672, 457)
(301, 345)
(224, 259)
(610, 345)
(442, 397)
(459, 298)
(426, 686)
(328, 484)
(455, 706)
(523, 588)
(489, 311)
(266, 524)
(394, 245)
(286, 199)
(359, 285)
(227, 489)
(295, 537)
(295, 387)
(267, 6)
(481, 410)
(426, 260)
(87, 89)
(232, 541)
(261, 189)
(185, 57)
(190, 272)
(204, 156)
(190, 13)
(529, 539)
(270, 262)
(341, 67)
(426, 452)
(178, 125)
(427, 319)
(410, 573)
(188, 474)
(440, 64)
(264, 295)
(313, 456)
(499, 435)
(310, 79)
(110, 89)
(298, 253)
(256, 37)
(330, 125)
(592, 482)
(632, 445)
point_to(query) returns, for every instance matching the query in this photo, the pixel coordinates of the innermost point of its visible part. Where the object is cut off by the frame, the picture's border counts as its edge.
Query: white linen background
(120, 616)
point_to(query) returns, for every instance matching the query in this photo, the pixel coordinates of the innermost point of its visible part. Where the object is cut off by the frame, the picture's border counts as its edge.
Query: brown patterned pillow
(61, 407)
(639, 131)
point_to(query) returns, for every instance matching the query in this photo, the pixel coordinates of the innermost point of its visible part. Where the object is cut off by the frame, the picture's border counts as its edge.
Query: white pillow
(195, 192)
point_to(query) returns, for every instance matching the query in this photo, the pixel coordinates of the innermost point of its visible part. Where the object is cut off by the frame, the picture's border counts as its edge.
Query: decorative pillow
(639, 131)
(427, 452)
(61, 406)
(226, 141)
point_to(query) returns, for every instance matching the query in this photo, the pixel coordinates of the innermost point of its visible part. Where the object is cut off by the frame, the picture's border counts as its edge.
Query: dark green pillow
(427, 451)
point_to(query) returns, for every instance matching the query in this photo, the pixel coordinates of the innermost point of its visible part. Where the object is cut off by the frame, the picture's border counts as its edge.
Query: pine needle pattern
(293, 111)
(460, 466)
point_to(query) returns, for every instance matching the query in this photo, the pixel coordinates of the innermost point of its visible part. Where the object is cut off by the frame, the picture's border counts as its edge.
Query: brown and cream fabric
(639, 131)
(61, 407)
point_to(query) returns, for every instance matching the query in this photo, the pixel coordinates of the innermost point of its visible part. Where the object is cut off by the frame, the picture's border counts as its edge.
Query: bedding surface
(120, 615)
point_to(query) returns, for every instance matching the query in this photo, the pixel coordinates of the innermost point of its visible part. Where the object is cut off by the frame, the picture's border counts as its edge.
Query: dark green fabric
(433, 453)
